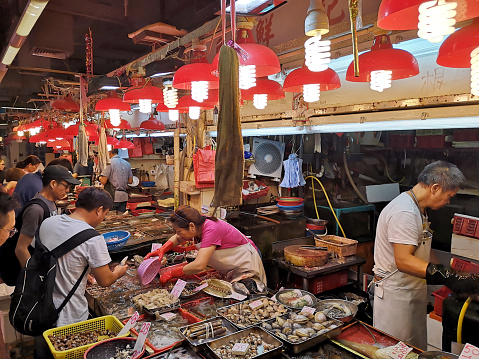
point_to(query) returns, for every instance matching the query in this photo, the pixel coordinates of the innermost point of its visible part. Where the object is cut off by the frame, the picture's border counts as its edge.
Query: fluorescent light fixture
(18, 108)
(10, 55)
(30, 16)
(163, 67)
(108, 88)
(255, 7)
(269, 131)
(153, 134)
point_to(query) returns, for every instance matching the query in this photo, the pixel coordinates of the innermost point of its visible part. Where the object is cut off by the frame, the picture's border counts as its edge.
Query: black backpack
(9, 264)
(32, 310)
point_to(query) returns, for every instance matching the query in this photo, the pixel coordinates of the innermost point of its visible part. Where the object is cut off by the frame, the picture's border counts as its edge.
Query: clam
(265, 302)
(276, 325)
(287, 331)
(267, 326)
(282, 336)
(307, 315)
(328, 323)
(302, 332)
(301, 319)
(280, 321)
(297, 325)
(318, 327)
(287, 325)
(269, 308)
(319, 317)
(293, 338)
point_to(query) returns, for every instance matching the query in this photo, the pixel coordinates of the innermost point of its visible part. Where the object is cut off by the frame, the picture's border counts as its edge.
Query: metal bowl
(303, 292)
(437, 355)
(317, 222)
(324, 305)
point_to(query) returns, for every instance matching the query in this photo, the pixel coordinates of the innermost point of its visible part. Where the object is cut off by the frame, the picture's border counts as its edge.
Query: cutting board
(301, 256)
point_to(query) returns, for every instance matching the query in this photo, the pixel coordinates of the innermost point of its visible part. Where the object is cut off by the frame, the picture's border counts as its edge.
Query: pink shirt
(222, 234)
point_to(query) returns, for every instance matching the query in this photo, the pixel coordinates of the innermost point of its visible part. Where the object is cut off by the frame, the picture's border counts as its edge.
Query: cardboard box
(189, 187)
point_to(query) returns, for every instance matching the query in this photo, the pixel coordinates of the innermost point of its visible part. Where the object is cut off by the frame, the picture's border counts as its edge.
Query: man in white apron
(401, 254)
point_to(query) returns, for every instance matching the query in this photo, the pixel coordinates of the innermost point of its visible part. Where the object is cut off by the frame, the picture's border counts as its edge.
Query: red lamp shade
(195, 72)
(65, 104)
(112, 103)
(264, 86)
(185, 102)
(152, 124)
(456, 50)
(147, 92)
(34, 139)
(162, 108)
(109, 140)
(59, 144)
(327, 79)
(403, 14)
(213, 98)
(265, 60)
(124, 145)
(384, 57)
(90, 130)
(124, 125)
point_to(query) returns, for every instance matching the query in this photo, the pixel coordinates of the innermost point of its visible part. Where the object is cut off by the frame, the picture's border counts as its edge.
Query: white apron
(243, 258)
(400, 300)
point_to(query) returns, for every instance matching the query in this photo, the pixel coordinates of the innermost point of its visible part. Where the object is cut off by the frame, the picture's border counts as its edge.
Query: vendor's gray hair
(445, 174)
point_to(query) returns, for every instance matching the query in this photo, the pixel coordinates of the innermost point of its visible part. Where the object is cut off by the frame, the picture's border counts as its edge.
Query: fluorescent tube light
(10, 55)
(30, 16)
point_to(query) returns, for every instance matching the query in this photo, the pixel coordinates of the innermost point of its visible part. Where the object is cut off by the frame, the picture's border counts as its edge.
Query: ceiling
(62, 27)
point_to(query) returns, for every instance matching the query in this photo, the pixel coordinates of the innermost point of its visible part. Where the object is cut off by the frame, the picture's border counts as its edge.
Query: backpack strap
(41, 203)
(74, 241)
(72, 291)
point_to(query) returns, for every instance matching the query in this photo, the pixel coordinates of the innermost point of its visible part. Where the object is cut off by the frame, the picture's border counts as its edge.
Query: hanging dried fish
(82, 145)
(103, 157)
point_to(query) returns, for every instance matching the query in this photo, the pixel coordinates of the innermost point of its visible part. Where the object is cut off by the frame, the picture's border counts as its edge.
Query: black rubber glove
(463, 285)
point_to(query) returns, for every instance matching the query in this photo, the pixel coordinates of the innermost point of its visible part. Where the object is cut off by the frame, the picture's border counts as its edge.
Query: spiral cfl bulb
(170, 96)
(436, 20)
(317, 53)
(199, 90)
(20, 133)
(145, 106)
(475, 72)
(260, 101)
(173, 115)
(115, 119)
(247, 77)
(194, 112)
(380, 80)
(311, 92)
(32, 131)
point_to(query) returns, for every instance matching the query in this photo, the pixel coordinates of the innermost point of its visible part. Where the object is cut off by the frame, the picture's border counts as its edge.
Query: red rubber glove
(172, 273)
(161, 252)
(180, 249)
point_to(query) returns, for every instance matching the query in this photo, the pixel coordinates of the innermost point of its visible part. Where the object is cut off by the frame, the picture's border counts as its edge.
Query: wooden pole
(177, 168)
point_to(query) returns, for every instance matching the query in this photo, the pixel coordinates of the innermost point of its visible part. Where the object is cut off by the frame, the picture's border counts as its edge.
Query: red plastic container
(471, 134)
(289, 201)
(260, 193)
(466, 225)
(315, 227)
(323, 283)
(439, 296)
(401, 141)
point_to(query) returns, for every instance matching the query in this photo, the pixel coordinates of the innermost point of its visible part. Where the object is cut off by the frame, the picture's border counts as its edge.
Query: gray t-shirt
(33, 216)
(118, 174)
(94, 252)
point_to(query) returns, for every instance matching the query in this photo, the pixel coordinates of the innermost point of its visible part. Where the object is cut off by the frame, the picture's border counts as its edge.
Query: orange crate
(323, 283)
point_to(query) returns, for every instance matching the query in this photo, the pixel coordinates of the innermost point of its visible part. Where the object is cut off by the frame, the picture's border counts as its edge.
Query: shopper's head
(14, 174)
(29, 164)
(57, 180)
(8, 204)
(2, 164)
(442, 181)
(113, 152)
(62, 161)
(187, 222)
(94, 203)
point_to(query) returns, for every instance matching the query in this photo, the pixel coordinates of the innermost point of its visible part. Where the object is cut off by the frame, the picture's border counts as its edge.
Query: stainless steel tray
(310, 342)
(184, 349)
(241, 326)
(197, 345)
(161, 310)
(265, 336)
(323, 305)
(303, 292)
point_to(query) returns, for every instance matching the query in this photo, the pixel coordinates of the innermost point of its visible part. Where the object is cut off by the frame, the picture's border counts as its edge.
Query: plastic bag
(204, 165)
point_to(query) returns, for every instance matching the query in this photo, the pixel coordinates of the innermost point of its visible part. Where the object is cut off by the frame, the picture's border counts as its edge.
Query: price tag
(469, 352)
(155, 246)
(178, 288)
(140, 341)
(256, 304)
(168, 316)
(240, 349)
(129, 324)
(203, 286)
(307, 309)
(238, 296)
(400, 351)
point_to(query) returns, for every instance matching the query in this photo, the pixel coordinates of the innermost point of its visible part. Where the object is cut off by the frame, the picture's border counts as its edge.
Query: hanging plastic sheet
(293, 173)
(103, 157)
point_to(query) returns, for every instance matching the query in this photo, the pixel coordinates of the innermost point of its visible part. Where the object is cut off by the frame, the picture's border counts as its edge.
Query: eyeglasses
(66, 185)
(11, 232)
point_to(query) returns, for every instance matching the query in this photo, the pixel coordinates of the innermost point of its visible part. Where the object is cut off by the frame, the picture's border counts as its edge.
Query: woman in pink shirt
(219, 245)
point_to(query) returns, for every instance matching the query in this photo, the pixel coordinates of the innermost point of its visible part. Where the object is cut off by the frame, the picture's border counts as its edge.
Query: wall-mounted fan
(268, 157)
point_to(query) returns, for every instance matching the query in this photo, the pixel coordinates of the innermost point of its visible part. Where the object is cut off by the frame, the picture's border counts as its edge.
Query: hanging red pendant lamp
(113, 105)
(383, 64)
(172, 112)
(310, 83)
(152, 124)
(124, 145)
(403, 14)
(90, 129)
(109, 140)
(65, 104)
(59, 144)
(124, 125)
(264, 91)
(144, 95)
(193, 107)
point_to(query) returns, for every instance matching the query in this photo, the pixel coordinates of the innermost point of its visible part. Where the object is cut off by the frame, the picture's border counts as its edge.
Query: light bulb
(32, 131)
(194, 112)
(115, 119)
(475, 72)
(311, 92)
(260, 101)
(317, 53)
(109, 147)
(170, 96)
(173, 115)
(145, 105)
(436, 20)
(20, 133)
(199, 90)
(380, 80)
(247, 77)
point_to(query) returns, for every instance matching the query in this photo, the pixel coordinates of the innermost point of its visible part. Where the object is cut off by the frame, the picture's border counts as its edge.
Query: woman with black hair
(219, 244)
(29, 164)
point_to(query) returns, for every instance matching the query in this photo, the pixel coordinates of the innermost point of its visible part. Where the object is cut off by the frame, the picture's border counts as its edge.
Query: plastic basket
(113, 245)
(261, 193)
(439, 296)
(102, 323)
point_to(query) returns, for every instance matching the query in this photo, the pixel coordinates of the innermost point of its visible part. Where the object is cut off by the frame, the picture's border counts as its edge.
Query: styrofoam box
(382, 192)
(434, 332)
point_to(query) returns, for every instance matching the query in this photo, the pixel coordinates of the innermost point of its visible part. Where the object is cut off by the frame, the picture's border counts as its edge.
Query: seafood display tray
(303, 292)
(194, 306)
(182, 351)
(240, 326)
(323, 305)
(310, 342)
(196, 345)
(265, 336)
(161, 310)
